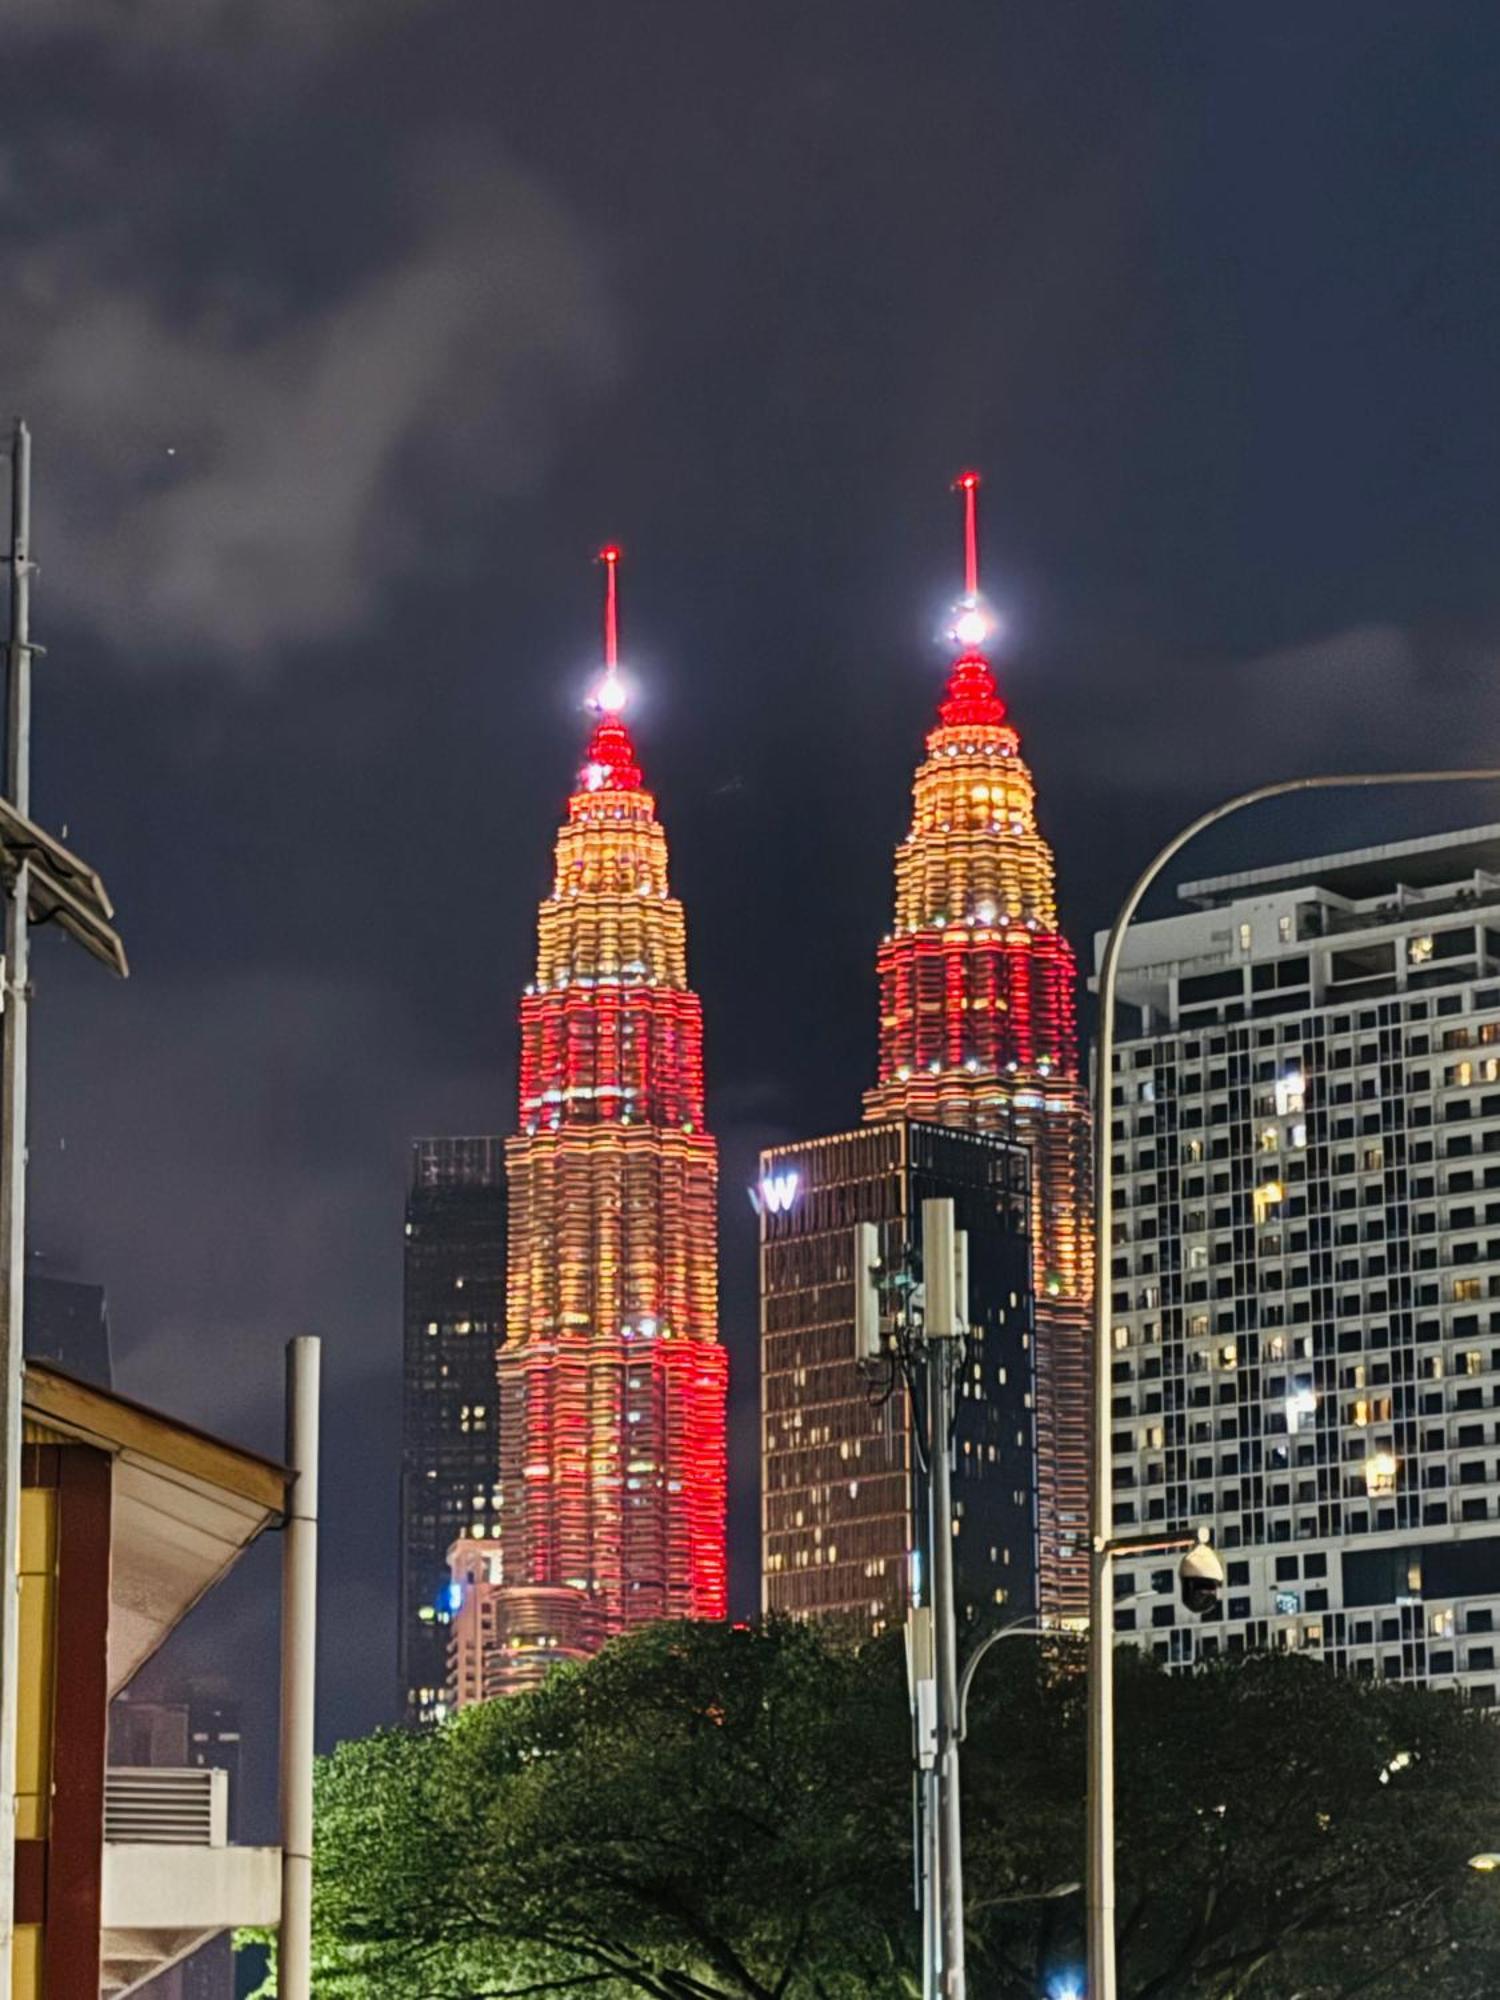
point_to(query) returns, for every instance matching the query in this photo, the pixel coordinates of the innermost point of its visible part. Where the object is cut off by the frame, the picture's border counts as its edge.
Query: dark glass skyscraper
(841, 1501)
(450, 1432)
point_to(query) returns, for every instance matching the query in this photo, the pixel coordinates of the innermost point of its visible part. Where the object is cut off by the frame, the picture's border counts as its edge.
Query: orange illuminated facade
(978, 1029)
(611, 1380)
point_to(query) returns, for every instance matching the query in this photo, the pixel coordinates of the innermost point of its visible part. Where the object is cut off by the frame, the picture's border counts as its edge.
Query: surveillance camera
(1200, 1576)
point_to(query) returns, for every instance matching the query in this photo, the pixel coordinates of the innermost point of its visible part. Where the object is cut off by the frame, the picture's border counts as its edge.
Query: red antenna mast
(968, 485)
(610, 557)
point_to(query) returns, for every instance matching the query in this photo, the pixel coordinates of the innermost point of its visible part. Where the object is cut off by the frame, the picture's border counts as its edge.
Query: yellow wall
(38, 1640)
(26, 1962)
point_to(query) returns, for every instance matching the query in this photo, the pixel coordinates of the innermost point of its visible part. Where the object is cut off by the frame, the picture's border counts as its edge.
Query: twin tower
(612, 1378)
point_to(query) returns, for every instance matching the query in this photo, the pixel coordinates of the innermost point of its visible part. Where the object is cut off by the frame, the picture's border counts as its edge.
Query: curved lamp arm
(1024, 1627)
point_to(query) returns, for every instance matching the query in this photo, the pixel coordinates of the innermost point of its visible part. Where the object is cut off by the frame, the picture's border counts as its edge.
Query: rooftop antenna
(972, 623)
(611, 695)
(968, 485)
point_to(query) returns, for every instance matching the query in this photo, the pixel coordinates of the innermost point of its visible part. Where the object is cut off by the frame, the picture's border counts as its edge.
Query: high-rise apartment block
(842, 1505)
(612, 1378)
(450, 1427)
(1305, 1271)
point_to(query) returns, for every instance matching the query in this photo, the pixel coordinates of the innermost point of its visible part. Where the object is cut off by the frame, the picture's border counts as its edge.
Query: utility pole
(928, 1340)
(299, 1636)
(942, 1337)
(43, 882)
(13, 1070)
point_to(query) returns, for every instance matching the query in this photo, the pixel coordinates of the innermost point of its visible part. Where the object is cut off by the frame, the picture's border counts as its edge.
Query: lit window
(1419, 948)
(1290, 1092)
(1122, 1337)
(1301, 1406)
(1269, 1195)
(1270, 1138)
(1380, 1473)
(1473, 1361)
(1229, 1355)
(1245, 938)
(1468, 1288)
(1284, 929)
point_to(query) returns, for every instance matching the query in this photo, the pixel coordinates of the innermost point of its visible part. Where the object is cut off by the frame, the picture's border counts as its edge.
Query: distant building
(841, 1500)
(1305, 1265)
(473, 1660)
(450, 1438)
(67, 1323)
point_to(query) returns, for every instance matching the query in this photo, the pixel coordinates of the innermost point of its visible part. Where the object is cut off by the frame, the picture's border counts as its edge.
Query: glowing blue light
(451, 1598)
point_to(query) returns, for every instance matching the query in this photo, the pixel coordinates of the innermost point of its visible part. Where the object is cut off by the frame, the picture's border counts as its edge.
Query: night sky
(349, 329)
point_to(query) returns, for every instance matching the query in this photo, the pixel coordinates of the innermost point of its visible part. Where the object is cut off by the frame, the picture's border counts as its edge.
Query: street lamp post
(1102, 1983)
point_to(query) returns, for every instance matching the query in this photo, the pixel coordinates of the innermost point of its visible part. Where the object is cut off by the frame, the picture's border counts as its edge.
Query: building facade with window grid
(1305, 1264)
(454, 1324)
(841, 1502)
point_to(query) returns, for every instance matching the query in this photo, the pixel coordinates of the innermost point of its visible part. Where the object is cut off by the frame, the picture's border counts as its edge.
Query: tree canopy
(707, 1813)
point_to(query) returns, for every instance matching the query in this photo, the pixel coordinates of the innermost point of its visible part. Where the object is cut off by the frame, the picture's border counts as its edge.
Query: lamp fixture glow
(971, 626)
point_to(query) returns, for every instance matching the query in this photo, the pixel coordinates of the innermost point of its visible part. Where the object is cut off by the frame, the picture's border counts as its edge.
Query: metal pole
(940, 1331)
(1102, 1981)
(299, 1614)
(13, 1171)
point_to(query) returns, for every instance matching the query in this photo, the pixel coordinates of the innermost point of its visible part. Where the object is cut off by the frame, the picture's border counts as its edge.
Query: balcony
(171, 1879)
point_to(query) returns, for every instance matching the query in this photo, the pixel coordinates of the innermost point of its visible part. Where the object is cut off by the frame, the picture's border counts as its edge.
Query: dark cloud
(239, 467)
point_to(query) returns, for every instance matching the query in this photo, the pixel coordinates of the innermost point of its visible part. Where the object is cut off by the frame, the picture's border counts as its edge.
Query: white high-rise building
(1305, 1271)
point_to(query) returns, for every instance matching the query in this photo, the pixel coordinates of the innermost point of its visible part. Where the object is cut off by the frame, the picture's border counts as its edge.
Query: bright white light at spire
(611, 695)
(972, 623)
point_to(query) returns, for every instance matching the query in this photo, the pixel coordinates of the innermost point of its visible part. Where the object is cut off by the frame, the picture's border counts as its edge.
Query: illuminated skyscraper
(978, 1029)
(612, 1379)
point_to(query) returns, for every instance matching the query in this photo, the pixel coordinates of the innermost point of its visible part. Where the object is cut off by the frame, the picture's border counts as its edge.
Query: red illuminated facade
(612, 1380)
(978, 1029)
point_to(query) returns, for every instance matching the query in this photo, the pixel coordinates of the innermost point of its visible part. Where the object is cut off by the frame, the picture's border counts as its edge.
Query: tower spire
(972, 623)
(609, 555)
(968, 485)
(610, 764)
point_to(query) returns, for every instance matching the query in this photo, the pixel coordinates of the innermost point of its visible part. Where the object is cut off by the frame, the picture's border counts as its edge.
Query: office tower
(450, 1435)
(841, 1500)
(67, 1324)
(1305, 1271)
(978, 1030)
(612, 1379)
